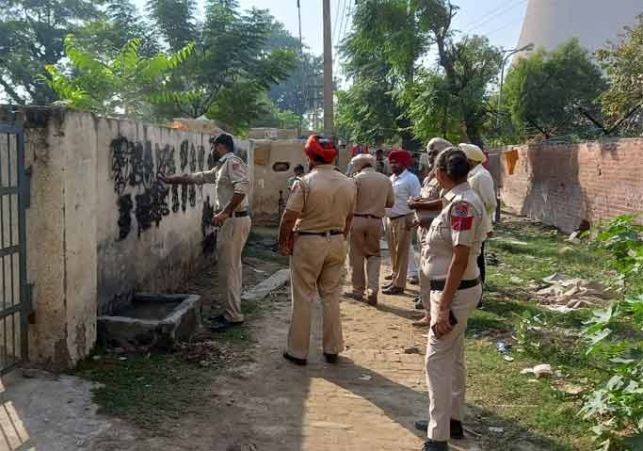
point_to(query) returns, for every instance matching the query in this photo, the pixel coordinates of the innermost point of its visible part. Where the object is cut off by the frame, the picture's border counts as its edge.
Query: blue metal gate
(15, 294)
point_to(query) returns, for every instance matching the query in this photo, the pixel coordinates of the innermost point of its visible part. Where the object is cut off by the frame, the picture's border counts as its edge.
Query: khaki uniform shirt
(324, 198)
(374, 192)
(230, 176)
(461, 222)
(482, 183)
(430, 190)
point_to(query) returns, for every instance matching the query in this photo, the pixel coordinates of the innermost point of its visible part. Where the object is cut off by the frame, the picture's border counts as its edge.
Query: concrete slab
(263, 289)
(54, 414)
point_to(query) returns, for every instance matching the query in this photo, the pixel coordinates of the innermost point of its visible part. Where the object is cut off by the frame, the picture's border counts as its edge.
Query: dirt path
(367, 402)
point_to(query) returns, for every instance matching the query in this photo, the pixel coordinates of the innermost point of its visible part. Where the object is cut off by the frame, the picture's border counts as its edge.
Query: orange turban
(401, 157)
(320, 147)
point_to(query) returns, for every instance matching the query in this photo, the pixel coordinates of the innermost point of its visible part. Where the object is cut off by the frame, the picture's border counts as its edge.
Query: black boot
(431, 445)
(457, 431)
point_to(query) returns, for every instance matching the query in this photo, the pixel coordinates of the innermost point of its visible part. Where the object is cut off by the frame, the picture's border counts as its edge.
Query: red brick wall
(563, 184)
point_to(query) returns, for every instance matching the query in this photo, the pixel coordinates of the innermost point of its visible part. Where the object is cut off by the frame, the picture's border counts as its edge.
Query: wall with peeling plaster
(86, 253)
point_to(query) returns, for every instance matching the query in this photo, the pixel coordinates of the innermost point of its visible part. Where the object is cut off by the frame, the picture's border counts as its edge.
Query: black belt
(399, 217)
(330, 232)
(366, 216)
(438, 285)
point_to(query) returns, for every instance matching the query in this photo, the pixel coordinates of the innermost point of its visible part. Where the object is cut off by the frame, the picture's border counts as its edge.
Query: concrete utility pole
(329, 131)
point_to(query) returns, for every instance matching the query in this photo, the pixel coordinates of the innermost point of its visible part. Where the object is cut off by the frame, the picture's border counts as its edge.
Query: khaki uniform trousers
(365, 245)
(399, 244)
(231, 239)
(315, 268)
(445, 366)
(425, 282)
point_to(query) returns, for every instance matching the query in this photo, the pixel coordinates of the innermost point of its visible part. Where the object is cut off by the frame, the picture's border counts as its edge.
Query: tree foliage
(127, 84)
(544, 91)
(390, 40)
(32, 36)
(230, 69)
(623, 64)
(289, 95)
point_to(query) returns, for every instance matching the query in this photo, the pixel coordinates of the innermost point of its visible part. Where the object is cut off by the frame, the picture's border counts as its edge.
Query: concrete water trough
(151, 322)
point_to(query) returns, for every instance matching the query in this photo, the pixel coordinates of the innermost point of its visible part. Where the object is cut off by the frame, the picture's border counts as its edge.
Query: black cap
(225, 139)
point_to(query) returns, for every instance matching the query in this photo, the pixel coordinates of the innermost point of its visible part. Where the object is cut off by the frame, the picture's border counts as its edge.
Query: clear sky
(500, 20)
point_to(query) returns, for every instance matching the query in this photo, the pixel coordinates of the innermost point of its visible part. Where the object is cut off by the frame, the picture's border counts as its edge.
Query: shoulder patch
(461, 217)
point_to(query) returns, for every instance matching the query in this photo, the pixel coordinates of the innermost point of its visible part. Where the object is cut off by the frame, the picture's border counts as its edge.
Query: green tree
(397, 35)
(288, 95)
(379, 56)
(120, 24)
(623, 64)
(544, 91)
(31, 36)
(127, 84)
(230, 70)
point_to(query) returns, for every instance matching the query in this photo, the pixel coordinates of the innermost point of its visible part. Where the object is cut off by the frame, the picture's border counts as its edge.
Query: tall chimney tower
(549, 23)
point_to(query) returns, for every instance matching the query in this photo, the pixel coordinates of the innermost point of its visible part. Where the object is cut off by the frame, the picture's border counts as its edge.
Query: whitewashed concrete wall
(82, 259)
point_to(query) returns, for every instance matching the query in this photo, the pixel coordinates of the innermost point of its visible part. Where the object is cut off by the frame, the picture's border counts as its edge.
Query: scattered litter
(574, 238)
(564, 294)
(540, 371)
(503, 348)
(122, 359)
(496, 430)
(96, 357)
(508, 358)
(425, 335)
(413, 350)
(365, 377)
(517, 280)
(570, 389)
(258, 271)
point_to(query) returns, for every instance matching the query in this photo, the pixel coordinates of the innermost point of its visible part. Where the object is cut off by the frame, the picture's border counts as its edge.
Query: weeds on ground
(525, 254)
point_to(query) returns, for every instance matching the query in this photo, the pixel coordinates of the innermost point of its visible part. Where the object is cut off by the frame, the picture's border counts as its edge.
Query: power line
(342, 25)
(489, 13)
(513, 22)
(496, 16)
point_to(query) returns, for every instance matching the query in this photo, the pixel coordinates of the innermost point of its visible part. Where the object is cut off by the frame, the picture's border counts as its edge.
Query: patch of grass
(146, 390)
(526, 254)
(525, 410)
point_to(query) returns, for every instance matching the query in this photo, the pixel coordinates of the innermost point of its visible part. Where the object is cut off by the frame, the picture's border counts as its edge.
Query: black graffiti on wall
(183, 155)
(120, 153)
(208, 231)
(135, 167)
(125, 207)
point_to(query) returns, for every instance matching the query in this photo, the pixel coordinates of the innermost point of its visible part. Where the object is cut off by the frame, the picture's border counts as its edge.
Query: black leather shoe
(393, 291)
(295, 360)
(431, 445)
(224, 325)
(457, 431)
(419, 305)
(216, 319)
(331, 358)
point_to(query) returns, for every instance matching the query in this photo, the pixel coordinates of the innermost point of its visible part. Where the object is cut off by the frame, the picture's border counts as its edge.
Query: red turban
(320, 147)
(401, 157)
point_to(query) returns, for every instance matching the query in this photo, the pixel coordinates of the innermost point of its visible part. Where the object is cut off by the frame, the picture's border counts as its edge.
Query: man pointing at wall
(230, 177)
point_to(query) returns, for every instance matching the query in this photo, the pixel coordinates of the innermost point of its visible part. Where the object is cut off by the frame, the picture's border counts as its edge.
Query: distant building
(550, 23)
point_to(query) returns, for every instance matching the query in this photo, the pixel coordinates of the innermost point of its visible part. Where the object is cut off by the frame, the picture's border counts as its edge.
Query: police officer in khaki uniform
(230, 176)
(449, 262)
(406, 186)
(313, 230)
(374, 195)
(425, 213)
